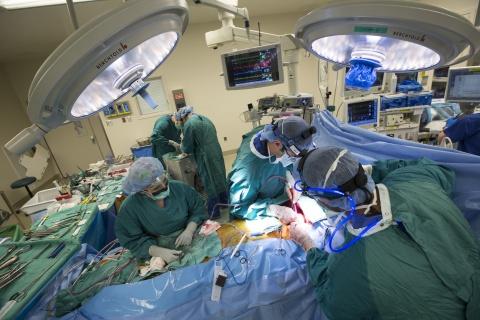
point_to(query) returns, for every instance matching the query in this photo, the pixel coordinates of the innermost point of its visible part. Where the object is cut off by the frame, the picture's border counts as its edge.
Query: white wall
(12, 121)
(196, 69)
(71, 148)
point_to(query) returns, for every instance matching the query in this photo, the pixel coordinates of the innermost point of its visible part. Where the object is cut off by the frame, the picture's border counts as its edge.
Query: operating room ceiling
(35, 32)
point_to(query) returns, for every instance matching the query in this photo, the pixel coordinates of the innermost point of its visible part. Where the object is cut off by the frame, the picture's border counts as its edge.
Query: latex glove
(185, 238)
(167, 255)
(285, 214)
(174, 144)
(300, 233)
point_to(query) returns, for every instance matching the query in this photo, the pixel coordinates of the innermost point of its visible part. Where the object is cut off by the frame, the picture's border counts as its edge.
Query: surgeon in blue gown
(465, 130)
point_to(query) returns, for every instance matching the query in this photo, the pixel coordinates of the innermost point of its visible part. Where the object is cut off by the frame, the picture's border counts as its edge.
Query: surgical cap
(340, 166)
(142, 174)
(291, 131)
(183, 112)
(322, 161)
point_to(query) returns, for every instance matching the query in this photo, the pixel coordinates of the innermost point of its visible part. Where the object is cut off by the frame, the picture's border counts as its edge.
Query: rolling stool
(24, 182)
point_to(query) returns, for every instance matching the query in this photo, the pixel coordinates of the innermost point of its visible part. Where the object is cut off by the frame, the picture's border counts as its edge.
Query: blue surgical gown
(254, 183)
(466, 131)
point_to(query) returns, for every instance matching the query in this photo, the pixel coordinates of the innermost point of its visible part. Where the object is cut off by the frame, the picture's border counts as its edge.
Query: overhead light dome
(398, 36)
(93, 67)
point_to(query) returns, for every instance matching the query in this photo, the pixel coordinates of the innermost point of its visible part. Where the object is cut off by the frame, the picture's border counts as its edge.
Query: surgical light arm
(226, 6)
(22, 143)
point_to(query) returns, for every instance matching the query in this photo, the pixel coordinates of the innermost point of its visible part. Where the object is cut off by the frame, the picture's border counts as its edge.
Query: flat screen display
(362, 113)
(256, 67)
(463, 85)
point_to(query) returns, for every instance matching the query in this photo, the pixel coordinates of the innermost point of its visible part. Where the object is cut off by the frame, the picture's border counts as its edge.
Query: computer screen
(362, 112)
(377, 84)
(406, 76)
(441, 72)
(463, 85)
(255, 67)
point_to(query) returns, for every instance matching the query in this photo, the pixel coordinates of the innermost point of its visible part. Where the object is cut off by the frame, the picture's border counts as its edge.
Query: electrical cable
(338, 110)
(245, 260)
(325, 103)
(259, 33)
(335, 94)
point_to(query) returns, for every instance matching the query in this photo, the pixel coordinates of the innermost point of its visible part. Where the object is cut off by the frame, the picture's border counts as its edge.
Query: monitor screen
(378, 83)
(463, 85)
(441, 72)
(406, 76)
(362, 113)
(255, 67)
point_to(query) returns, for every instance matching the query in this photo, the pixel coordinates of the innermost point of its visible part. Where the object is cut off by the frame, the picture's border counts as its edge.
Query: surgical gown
(200, 139)
(466, 131)
(141, 221)
(164, 130)
(426, 267)
(254, 183)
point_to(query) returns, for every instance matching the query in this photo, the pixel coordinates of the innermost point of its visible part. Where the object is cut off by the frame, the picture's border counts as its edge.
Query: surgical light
(104, 60)
(22, 4)
(387, 36)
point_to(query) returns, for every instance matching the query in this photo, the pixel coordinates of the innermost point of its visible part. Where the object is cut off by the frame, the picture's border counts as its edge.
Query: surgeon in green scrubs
(155, 209)
(424, 266)
(165, 137)
(257, 180)
(200, 140)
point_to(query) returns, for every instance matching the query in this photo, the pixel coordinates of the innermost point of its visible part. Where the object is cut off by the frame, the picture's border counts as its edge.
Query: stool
(24, 182)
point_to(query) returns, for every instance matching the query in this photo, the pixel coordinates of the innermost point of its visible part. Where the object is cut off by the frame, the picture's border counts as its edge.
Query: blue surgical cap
(142, 174)
(183, 112)
(290, 131)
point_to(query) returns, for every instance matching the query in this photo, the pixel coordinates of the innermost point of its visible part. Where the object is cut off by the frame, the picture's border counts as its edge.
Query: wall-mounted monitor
(254, 67)
(463, 85)
(362, 112)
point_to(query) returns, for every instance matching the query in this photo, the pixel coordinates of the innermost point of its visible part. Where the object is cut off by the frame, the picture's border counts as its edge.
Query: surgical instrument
(56, 251)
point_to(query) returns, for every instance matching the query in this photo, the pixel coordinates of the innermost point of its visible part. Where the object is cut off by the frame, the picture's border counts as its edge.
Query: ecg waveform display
(364, 112)
(253, 68)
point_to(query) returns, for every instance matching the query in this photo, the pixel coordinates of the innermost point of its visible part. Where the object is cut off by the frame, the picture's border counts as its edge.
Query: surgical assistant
(465, 130)
(257, 179)
(165, 137)
(424, 266)
(200, 139)
(156, 208)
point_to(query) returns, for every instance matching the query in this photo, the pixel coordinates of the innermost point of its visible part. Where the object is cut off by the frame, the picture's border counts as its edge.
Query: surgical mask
(161, 194)
(286, 160)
